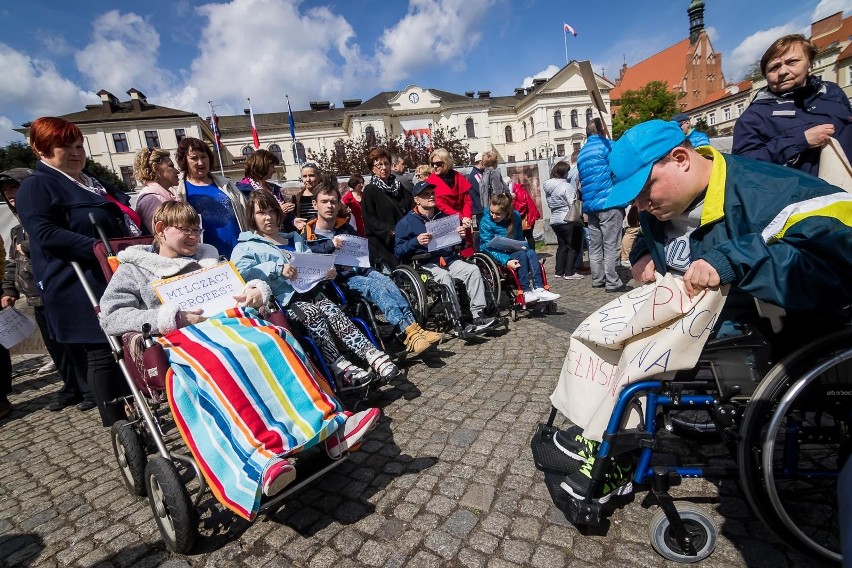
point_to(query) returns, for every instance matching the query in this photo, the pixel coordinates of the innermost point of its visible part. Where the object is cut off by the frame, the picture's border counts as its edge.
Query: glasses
(437, 164)
(187, 231)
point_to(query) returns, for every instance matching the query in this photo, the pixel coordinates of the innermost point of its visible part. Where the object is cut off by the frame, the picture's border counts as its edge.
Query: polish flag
(253, 128)
(569, 29)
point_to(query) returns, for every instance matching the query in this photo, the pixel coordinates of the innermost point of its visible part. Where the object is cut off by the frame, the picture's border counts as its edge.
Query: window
(526, 156)
(120, 141)
(849, 75)
(370, 136)
(275, 150)
(711, 118)
(180, 134)
(577, 146)
(740, 109)
(471, 156)
(247, 151)
(508, 134)
(727, 113)
(588, 115)
(340, 150)
(299, 153)
(560, 149)
(510, 159)
(468, 125)
(152, 139)
(535, 156)
(532, 127)
(557, 120)
(575, 123)
(127, 176)
(525, 130)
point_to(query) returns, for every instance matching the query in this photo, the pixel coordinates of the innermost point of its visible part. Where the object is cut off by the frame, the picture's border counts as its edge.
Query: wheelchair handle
(101, 234)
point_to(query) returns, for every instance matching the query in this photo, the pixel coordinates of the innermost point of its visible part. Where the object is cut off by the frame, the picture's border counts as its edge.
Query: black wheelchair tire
(699, 525)
(492, 273)
(173, 511)
(409, 283)
(131, 456)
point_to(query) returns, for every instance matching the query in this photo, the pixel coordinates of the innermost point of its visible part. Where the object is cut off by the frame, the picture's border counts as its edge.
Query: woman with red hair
(55, 204)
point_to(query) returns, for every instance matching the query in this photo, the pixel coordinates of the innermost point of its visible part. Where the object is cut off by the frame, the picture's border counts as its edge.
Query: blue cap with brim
(635, 153)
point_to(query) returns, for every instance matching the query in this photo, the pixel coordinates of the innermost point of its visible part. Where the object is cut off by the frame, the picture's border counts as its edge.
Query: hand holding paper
(445, 232)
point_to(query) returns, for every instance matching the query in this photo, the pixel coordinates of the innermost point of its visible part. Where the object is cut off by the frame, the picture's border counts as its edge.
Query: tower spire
(696, 19)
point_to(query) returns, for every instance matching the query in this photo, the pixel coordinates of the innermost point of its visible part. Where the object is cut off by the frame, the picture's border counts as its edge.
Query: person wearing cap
(443, 264)
(696, 137)
(791, 119)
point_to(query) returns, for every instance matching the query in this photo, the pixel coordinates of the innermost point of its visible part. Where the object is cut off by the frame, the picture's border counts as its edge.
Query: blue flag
(292, 124)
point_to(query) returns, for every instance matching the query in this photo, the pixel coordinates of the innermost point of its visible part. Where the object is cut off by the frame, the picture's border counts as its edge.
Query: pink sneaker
(351, 432)
(278, 475)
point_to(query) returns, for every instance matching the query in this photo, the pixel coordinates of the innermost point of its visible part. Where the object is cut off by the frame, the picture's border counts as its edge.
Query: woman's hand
(461, 231)
(465, 222)
(514, 263)
(7, 301)
(817, 136)
(190, 317)
(251, 297)
(331, 274)
(299, 223)
(289, 271)
(424, 238)
(288, 207)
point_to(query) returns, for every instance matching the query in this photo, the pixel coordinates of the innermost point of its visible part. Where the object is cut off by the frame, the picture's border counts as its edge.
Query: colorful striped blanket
(243, 392)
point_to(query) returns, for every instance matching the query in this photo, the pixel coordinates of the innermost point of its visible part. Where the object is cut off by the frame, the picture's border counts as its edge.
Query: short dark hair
(327, 188)
(377, 153)
(185, 146)
(258, 164)
(560, 169)
(263, 199)
(782, 44)
(355, 180)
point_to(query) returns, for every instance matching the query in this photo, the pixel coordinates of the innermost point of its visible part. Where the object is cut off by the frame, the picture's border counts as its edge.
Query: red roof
(668, 65)
(742, 86)
(841, 33)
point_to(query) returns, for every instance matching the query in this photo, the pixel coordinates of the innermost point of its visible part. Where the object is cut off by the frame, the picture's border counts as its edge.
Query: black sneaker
(572, 443)
(481, 323)
(617, 481)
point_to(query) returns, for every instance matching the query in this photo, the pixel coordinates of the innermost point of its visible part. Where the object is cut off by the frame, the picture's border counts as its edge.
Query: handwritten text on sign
(354, 252)
(311, 269)
(14, 327)
(211, 289)
(444, 232)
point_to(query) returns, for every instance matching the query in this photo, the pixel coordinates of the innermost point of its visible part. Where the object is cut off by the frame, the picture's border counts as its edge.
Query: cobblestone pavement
(447, 479)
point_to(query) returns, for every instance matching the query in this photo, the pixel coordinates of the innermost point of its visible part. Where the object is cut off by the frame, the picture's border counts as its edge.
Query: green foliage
(702, 126)
(753, 73)
(654, 100)
(106, 175)
(16, 155)
(350, 157)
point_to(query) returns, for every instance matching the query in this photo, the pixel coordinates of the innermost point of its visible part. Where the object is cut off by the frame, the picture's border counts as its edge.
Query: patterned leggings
(322, 317)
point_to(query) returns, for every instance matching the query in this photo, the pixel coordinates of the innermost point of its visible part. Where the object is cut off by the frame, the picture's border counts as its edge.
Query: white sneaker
(546, 295)
(531, 297)
(351, 432)
(48, 367)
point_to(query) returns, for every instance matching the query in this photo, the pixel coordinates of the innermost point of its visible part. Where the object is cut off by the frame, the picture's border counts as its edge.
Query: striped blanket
(243, 392)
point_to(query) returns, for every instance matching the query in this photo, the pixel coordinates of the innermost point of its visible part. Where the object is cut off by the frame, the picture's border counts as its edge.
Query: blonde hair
(489, 159)
(174, 214)
(143, 164)
(422, 171)
(444, 156)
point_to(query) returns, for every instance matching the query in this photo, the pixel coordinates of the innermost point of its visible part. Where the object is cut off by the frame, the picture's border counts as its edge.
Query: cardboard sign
(506, 245)
(354, 252)
(444, 232)
(311, 269)
(834, 166)
(211, 289)
(14, 327)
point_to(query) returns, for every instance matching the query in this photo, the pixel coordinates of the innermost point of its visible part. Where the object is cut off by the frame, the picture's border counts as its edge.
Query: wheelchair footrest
(547, 457)
(576, 511)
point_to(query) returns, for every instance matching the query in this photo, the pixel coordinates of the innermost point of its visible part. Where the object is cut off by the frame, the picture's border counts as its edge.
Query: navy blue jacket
(406, 232)
(55, 213)
(475, 200)
(772, 128)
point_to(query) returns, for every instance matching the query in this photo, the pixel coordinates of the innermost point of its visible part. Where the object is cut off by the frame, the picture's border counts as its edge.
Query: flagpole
(565, 38)
(216, 137)
(293, 131)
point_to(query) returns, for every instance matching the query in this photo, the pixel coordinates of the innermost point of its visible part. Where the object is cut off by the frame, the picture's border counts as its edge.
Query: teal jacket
(488, 229)
(259, 259)
(775, 233)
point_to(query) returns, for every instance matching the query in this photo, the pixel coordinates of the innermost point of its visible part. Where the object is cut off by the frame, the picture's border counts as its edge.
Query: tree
(754, 73)
(350, 157)
(702, 126)
(106, 175)
(20, 155)
(654, 100)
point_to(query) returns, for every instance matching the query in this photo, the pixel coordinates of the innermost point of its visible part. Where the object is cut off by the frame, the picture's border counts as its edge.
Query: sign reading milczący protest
(311, 269)
(211, 289)
(14, 327)
(444, 232)
(354, 252)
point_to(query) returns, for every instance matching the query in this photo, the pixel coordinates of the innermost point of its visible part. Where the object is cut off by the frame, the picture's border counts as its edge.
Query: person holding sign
(266, 254)
(501, 220)
(444, 264)
(327, 234)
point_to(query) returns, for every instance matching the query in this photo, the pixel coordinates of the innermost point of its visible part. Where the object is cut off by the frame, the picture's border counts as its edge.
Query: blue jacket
(489, 229)
(55, 213)
(258, 258)
(595, 174)
(771, 232)
(772, 128)
(406, 231)
(473, 177)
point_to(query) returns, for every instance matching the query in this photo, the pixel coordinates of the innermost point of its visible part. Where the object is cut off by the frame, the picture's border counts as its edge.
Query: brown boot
(415, 339)
(431, 336)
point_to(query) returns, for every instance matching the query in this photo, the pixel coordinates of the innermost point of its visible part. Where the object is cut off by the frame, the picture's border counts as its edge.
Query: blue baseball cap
(420, 186)
(635, 153)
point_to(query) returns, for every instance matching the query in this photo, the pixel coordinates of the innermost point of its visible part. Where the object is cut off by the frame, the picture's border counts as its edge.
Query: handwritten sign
(311, 269)
(653, 330)
(14, 327)
(507, 245)
(444, 232)
(354, 252)
(211, 289)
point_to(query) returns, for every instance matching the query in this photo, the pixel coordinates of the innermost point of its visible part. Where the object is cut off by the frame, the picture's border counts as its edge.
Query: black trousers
(95, 362)
(569, 238)
(74, 385)
(5, 372)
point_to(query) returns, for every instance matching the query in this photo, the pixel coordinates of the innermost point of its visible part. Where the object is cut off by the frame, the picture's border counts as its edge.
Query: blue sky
(55, 55)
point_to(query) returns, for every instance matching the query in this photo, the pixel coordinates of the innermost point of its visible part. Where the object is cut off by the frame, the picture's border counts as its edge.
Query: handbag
(575, 214)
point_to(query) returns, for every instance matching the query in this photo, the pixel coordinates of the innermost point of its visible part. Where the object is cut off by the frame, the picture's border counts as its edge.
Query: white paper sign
(444, 232)
(354, 252)
(311, 269)
(14, 327)
(507, 245)
(211, 289)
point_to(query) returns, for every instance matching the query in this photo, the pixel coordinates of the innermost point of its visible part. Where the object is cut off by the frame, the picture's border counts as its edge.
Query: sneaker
(279, 474)
(349, 374)
(351, 432)
(617, 481)
(480, 324)
(574, 276)
(531, 297)
(546, 295)
(48, 367)
(382, 365)
(572, 443)
(5, 406)
(619, 290)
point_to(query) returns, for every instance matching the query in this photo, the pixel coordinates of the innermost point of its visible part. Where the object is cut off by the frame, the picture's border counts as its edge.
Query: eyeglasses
(381, 165)
(187, 231)
(437, 164)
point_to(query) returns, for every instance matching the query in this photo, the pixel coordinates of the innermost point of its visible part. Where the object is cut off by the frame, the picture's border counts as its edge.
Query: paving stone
(461, 523)
(478, 497)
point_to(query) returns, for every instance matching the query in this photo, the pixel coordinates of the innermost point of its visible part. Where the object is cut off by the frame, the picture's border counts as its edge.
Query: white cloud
(712, 33)
(829, 7)
(431, 34)
(122, 54)
(547, 73)
(6, 133)
(751, 49)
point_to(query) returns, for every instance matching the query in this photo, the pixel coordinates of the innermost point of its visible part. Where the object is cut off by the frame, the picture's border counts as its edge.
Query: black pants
(381, 255)
(528, 235)
(96, 363)
(569, 238)
(74, 385)
(5, 372)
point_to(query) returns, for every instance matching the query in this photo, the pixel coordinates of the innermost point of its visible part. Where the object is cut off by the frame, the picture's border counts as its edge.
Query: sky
(54, 56)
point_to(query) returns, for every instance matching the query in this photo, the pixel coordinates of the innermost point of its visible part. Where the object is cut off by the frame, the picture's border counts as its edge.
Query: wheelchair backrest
(105, 252)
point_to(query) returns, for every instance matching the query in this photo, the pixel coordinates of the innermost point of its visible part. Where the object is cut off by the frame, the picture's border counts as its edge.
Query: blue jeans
(380, 290)
(529, 267)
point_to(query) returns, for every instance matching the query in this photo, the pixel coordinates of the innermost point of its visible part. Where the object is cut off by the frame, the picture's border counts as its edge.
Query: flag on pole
(568, 29)
(254, 135)
(292, 123)
(214, 126)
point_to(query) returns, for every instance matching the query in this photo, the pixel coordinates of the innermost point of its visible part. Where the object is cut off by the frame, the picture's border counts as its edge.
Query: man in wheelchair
(770, 232)
(443, 264)
(322, 235)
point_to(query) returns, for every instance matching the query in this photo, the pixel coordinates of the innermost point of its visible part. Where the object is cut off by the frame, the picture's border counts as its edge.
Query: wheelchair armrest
(421, 256)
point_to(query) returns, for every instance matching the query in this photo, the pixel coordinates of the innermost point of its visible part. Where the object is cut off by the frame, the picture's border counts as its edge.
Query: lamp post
(548, 151)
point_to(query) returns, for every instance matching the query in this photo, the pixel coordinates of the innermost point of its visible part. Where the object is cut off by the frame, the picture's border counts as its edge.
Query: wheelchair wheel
(701, 528)
(411, 286)
(795, 440)
(491, 273)
(172, 507)
(130, 454)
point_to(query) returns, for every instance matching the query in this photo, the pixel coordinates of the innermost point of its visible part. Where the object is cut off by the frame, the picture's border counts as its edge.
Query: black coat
(55, 213)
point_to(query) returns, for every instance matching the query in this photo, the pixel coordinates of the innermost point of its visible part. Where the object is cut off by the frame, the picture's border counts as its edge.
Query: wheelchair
(505, 279)
(786, 423)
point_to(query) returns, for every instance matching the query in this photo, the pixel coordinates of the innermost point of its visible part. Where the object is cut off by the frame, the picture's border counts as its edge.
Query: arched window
(339, 149)
(468, 124)
(299, 153)
(247, 151)
(588, 115)
(508, 134)
(275, 150)
(525, 130)
(370, 136)
(535, 156)
(574, 120)
(532, 127)
(557, 120)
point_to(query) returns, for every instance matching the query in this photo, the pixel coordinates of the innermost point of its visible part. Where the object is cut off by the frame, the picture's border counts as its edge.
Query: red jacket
(355, 208)
(453, 200)
(525, 205)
